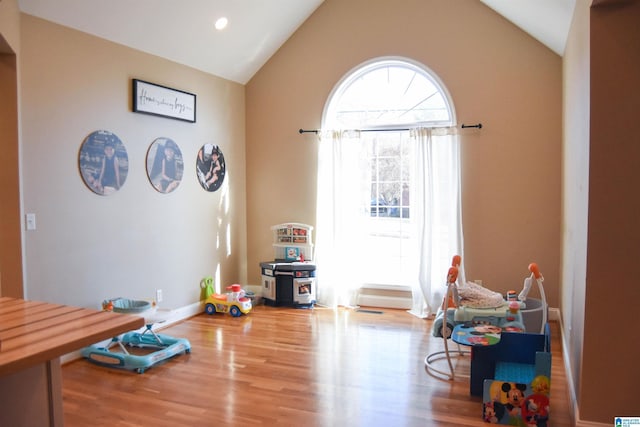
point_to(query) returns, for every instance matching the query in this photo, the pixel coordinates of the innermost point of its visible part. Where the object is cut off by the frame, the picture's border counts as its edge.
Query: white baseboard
(581, 423)
(385, 296)
(169, 318)
(384, 302)
(554, 314)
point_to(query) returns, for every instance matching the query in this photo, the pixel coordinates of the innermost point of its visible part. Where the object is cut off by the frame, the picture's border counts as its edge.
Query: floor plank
(290, 367)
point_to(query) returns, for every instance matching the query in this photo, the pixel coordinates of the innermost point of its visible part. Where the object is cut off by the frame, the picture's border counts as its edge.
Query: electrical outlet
(158, 295)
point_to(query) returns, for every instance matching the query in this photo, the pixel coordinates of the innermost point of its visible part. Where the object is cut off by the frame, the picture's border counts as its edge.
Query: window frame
(381, 62)
(383, 226)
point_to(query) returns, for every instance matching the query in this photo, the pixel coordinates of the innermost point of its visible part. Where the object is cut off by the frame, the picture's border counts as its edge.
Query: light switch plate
(31, 221)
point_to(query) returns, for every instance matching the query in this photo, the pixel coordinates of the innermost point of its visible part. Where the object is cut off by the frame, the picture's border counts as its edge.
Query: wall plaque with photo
(210, 167)
(164, 165)
(103, 162)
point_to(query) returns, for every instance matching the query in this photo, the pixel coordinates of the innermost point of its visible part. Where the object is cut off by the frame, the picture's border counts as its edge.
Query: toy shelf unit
(292, 242)
(289, 283)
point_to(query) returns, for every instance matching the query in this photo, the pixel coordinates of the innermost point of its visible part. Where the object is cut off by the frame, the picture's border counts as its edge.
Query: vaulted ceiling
(184, 31)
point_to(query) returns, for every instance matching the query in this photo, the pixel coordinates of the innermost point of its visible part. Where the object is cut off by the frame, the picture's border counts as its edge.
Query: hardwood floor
(290, 367)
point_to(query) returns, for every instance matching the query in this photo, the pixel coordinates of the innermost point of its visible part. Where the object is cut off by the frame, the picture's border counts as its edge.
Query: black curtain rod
(477, 126)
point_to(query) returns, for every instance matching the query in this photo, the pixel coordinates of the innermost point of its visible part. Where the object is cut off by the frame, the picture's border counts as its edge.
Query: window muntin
(389, 156)
(388, 93)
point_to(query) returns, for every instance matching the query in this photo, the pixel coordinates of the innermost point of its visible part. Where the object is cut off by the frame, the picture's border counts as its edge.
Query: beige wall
(496, 75)
(11, 283)
(9, 26)
(88, 247)
(576, 66)
(609, 361)
(600, 228)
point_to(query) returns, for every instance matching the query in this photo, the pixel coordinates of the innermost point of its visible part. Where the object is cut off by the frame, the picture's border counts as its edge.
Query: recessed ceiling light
(221, 23)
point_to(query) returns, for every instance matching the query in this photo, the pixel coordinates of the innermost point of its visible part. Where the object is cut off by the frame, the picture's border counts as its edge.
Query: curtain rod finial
(477, 126)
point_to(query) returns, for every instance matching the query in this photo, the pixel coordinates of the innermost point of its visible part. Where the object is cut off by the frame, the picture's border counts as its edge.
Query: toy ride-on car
(234, 302)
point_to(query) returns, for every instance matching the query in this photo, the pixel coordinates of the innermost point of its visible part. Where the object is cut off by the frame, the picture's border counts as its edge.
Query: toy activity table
(472, 335)
(480, 335)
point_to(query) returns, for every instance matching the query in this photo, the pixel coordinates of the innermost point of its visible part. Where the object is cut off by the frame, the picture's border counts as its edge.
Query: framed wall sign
(157, 100)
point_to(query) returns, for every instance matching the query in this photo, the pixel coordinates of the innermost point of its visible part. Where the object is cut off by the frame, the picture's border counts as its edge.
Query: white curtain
(437, 203)
(343, 212)
(342, 208)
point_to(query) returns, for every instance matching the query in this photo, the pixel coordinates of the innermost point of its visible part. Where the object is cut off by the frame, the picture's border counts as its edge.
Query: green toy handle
(207, 285)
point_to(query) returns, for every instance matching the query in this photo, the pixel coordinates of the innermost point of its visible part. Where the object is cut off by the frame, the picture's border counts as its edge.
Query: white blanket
(475, 296)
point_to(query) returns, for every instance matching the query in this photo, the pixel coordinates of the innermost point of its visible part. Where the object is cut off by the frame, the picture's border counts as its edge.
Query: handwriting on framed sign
(157, 100)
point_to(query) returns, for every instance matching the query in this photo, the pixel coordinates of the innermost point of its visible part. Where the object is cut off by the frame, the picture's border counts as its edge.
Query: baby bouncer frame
(451, 302)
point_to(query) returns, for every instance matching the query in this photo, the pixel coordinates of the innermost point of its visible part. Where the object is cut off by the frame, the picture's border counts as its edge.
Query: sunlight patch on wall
(217, 279)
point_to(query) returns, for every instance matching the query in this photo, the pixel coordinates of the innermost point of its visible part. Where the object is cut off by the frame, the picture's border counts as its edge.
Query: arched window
(373, 178)
(386, 95)
(389, 93)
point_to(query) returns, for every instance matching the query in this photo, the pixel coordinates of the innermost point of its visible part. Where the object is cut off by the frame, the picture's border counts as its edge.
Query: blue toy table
(490, 344)
(519, 349)
(480, 335)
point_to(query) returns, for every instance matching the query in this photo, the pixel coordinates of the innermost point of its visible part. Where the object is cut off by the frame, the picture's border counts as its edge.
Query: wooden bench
(33, 337)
